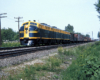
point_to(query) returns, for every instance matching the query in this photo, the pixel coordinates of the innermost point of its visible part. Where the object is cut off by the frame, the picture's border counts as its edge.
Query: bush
(97, 43)
(40, 66)
(54, 62)
(86, 66)
(51, 64)
(91, 67)
(68, 52)
(60, 50)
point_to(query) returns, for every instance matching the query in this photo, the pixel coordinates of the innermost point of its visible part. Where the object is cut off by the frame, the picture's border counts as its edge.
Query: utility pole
(0, 27)
(98, 33)
(18, 22)
(92, 35)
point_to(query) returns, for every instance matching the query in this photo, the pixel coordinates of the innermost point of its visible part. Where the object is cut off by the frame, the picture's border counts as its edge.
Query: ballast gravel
(25, 57)
(22, 58)
(29, 56)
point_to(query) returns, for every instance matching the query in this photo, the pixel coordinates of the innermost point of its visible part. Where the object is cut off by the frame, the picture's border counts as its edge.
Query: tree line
(70, 29)
(9, 34)
(97, 5)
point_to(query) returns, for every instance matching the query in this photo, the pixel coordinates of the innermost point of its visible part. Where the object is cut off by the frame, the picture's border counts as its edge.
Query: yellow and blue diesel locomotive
(33, 33)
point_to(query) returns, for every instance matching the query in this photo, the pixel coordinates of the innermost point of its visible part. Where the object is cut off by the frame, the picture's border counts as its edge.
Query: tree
(87, 35)
(9, 34)
(98, 7)
(69, 28)
(78, 33)
(16, 37)
(4, 34)
(98, 35)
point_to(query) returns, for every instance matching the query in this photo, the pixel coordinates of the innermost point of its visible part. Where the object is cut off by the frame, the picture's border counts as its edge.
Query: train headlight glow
(26, 26)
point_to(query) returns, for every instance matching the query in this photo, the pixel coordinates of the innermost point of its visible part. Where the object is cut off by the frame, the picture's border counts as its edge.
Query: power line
(18, 21)
(0, 26)
(10, 18)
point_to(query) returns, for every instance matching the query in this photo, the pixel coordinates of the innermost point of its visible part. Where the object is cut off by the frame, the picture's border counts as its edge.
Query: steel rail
(9, 48)
(19, 51)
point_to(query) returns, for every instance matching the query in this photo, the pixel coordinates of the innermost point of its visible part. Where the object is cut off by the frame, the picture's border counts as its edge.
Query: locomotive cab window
(25, 24)
(32, 28)
(21, 28)
(33, 24)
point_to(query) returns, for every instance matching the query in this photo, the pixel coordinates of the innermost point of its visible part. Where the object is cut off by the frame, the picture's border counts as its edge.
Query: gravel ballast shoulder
(25, 57)
(29, 56)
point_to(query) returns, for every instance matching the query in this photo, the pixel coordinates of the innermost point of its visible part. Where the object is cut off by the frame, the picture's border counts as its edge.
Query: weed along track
(40, 53)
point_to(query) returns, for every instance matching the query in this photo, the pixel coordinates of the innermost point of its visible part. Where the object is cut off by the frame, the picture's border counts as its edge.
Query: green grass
(54, 63)
(9, 44)
(66, 52)
(86, 66)
(27, 74)
(51, 64)
(38, 69)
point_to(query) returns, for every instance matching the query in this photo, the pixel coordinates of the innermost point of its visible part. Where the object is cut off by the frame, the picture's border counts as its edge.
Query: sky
(81, 14)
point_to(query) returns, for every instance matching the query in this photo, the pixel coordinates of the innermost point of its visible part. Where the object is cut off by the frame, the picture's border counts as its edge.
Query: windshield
(25, 24)
(32, 28)
(21, 28)
(33, 24)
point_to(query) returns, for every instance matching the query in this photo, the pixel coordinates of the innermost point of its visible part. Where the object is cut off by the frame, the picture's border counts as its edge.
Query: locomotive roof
(52, 26)
(46, 25)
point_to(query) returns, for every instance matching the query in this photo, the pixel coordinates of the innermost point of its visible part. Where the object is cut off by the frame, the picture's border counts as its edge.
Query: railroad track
(9, 48)
(9, 52)
(14, 51)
